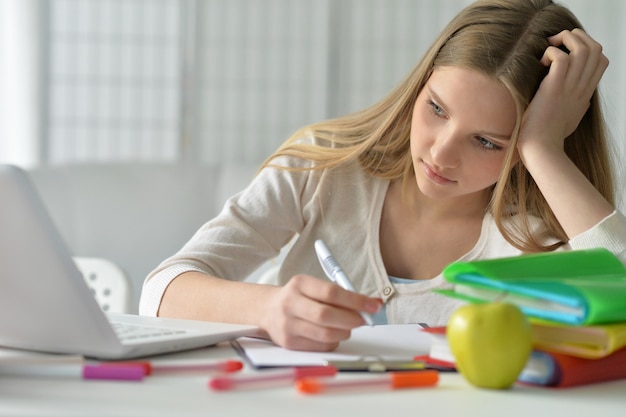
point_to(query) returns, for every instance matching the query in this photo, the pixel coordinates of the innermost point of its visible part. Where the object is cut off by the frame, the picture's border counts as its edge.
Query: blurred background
(138, 118)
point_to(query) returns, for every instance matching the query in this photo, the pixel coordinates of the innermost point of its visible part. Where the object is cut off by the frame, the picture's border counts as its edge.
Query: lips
(434, 176)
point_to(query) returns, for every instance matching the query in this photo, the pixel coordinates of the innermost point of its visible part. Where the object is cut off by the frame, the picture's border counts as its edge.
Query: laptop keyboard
(127, 331)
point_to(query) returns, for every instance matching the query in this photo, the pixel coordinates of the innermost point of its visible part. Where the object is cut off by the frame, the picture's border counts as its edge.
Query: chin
(433, 191)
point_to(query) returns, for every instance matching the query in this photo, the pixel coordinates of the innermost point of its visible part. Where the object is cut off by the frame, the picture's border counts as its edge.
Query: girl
(493, 146)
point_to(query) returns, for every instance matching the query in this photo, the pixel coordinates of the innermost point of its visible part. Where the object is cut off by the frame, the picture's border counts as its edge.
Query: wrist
(531, 152)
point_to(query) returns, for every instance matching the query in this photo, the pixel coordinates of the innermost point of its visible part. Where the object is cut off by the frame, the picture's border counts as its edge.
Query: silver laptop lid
(44, 301)
(46, 305)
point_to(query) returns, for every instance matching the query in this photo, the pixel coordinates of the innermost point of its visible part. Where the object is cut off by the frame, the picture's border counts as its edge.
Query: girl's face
(461, 127)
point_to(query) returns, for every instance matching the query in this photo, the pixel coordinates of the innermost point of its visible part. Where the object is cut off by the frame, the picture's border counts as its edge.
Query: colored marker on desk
(391, 380)
(150, 368)
(109, 372)
(269, 379)
(335, 273)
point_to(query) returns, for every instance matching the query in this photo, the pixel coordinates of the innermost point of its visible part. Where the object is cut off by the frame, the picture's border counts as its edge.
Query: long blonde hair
(505, 40)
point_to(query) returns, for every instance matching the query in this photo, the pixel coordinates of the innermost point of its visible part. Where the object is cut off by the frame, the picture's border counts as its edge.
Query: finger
(311, 345)
(577, 47)
(599, 72)
(293, 332)
(587, 62)
(305, 343)
(322, 313)
(333, 294)
(558, 62)
(578, 57)
(303, 335)
(595, 63)
(322, 302)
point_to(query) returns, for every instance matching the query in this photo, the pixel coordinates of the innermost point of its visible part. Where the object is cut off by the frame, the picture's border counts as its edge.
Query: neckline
(375, 252)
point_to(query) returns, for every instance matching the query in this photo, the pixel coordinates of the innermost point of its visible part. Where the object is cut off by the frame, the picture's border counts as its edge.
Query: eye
(436, 109)
(488, 145)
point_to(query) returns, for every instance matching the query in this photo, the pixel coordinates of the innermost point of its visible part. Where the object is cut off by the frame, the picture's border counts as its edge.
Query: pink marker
(109, 372)
(117, 373)
(268, 379)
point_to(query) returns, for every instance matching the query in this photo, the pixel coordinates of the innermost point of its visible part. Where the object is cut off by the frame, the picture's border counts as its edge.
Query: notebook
(580, 287)
(367, 344)
(45, 304)
(591, 342)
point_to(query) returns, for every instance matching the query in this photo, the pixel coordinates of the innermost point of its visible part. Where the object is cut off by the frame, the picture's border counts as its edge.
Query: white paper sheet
(384, 342)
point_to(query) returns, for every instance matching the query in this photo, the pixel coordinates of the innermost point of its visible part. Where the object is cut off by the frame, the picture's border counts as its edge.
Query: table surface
(177, 395)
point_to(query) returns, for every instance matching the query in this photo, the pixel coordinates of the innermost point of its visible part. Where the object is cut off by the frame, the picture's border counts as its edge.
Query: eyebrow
(440, 102)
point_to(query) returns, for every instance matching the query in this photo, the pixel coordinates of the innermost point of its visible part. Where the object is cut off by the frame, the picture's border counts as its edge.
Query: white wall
(221, 81)
(268, 67)
(604, 20)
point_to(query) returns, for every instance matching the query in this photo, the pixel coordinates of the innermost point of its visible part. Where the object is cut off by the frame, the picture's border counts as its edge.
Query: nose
(445, 150)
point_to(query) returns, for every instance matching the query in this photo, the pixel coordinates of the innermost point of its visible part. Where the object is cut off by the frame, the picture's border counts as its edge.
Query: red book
(569, 371)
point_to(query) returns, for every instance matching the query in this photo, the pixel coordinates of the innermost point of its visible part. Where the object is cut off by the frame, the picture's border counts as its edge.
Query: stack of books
(575, 302)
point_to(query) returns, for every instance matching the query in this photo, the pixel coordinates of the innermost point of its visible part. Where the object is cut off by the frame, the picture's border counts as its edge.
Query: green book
(573, 287)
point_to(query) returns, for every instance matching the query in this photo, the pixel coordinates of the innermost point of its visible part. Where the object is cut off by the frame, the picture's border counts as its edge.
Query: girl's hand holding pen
(313, 314)
(334, 272)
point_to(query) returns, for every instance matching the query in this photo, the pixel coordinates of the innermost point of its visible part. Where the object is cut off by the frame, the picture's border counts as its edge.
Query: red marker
(181, 367)
(267, 379)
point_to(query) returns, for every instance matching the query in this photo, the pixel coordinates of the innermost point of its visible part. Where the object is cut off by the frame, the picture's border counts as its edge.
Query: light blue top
(381, 316)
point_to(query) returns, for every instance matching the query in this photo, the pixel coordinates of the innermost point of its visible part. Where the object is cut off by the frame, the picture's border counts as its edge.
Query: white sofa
(135, 215)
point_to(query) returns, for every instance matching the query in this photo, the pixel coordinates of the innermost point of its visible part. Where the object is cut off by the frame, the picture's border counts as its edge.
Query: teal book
(573, 287)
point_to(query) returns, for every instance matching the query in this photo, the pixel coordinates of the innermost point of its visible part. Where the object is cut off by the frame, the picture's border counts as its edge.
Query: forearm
(610, 234)
(197, 296)
(576, 203)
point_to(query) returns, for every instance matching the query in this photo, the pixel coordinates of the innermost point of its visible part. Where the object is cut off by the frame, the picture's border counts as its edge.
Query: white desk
(173, 396)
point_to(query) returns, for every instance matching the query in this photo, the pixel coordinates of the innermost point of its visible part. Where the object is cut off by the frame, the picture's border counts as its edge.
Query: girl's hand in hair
(554, 113)
(312, 314)
(565, 93)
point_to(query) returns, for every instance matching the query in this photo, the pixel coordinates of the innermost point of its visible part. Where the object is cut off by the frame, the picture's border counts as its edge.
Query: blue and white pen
(335, 273)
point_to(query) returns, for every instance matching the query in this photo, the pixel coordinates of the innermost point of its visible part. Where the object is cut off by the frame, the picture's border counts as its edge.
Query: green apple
(491, 343)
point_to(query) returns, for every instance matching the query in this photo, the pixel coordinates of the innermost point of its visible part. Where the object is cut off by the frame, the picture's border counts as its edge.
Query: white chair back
(109, 284)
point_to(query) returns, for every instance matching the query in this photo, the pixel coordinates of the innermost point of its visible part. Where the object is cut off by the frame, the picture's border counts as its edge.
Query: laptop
(46, 305)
